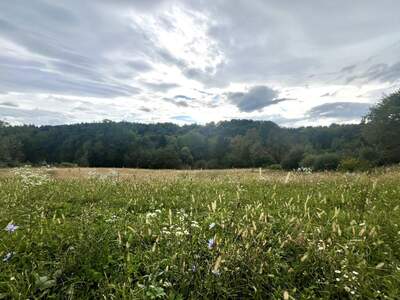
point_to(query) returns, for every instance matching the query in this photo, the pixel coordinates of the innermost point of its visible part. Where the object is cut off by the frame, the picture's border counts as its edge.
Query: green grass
(331, 236)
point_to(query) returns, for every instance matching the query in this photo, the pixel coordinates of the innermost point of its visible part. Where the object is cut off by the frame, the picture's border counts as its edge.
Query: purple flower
(11, 228)
(211, 243)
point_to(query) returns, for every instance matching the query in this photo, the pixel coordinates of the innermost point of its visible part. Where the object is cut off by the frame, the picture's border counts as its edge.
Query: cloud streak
(343, 111)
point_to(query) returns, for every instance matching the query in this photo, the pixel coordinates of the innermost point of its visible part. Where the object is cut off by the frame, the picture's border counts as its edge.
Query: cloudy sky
(296, 63)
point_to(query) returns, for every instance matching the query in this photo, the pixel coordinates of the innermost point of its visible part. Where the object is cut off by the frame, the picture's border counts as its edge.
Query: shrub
(200, 164)
(292, 159)
(370, 154)
(308, 161)
(353, 164)
(275, 167)
(328, 161)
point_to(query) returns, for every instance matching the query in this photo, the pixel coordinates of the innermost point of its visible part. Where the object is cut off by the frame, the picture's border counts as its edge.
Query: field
(139, 234)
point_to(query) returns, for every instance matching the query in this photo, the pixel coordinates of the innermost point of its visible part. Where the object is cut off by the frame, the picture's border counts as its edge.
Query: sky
(296, 63)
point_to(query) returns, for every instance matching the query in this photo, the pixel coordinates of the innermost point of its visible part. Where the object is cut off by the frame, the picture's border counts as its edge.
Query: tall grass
(180, 235)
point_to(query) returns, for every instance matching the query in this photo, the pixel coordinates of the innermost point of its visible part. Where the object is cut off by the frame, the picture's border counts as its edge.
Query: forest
(228, 144)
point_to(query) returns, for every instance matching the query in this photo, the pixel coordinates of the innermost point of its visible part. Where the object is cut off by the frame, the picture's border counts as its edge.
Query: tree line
(229, 144)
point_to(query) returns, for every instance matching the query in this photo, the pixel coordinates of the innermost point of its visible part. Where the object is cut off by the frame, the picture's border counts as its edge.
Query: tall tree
(382, 127)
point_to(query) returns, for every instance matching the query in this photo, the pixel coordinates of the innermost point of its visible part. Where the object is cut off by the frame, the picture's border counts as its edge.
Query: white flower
(151, 215)
(8, 256)
(11, 228)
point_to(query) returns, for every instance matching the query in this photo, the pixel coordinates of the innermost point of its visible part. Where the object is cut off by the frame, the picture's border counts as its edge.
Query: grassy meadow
(142, 234)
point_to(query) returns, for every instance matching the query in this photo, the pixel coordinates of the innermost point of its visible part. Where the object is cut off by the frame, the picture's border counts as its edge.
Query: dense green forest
(228, 144)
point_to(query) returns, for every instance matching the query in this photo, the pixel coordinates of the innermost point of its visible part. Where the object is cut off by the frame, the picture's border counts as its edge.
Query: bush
(328, 161)
(275, 167)
(353, 164)
(200, 164)
(308, 161)
(292, 159)
(212, 164)
(370, 154)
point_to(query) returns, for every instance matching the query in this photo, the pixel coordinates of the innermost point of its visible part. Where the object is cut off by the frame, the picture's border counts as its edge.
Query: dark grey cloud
(145, 109)
(183, 97)
(179, 103)
(256, 98)
(348, 68)
(383, 72)
(339, 110)
(9, 103)
(380, 72)
(333, 94)
(382, 67)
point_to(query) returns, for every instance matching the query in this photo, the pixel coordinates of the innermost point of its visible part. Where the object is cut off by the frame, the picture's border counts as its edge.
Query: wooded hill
(228, 144)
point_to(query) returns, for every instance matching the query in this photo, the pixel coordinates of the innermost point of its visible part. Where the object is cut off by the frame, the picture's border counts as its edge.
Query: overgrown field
(104, 234)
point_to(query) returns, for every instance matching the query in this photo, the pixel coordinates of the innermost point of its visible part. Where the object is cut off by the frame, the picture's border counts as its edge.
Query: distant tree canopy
(229, 144)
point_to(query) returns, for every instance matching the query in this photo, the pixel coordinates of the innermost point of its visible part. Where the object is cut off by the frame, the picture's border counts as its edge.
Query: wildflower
(286, 295)
(151, 215)
(8, 256)
(212, 225)
(193, 268)
(112, 219)
(195, 224)
(216, 272)
(211, 243)
(11, 228)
